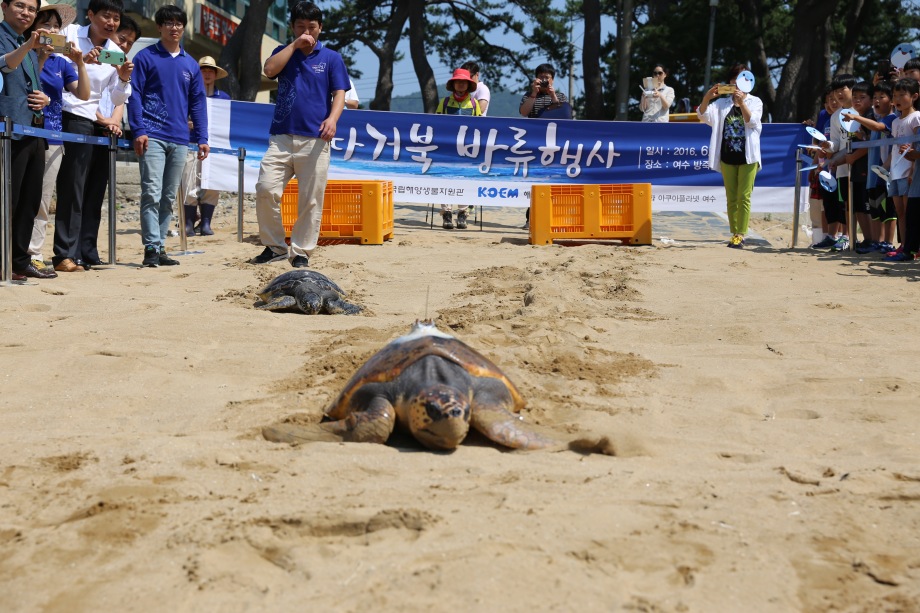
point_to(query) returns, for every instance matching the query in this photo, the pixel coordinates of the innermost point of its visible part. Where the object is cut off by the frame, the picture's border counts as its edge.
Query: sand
(762, 406)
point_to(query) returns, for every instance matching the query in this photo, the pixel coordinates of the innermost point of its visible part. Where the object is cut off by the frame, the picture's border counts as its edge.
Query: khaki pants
(306, 158)
(53, 156)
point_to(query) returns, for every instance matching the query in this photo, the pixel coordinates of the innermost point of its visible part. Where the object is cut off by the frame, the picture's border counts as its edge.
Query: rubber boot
(191, 215)
(207, 212)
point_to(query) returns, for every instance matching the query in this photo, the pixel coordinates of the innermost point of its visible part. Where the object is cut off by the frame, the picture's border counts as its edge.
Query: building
(210, 25)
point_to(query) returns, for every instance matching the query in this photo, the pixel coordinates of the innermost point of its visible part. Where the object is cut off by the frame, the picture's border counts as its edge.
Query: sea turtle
(307, 290)
(433, 385)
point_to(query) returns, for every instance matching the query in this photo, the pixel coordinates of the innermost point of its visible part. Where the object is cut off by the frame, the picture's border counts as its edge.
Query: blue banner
(495, 160)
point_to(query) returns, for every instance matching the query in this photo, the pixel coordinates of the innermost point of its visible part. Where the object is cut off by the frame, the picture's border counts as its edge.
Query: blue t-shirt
(165, 91)
(307, 83)
(875, 153)
(57, 74)
(823, 124)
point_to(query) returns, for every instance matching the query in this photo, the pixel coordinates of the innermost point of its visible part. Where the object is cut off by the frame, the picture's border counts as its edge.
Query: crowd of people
(71, 89)
(883, 179)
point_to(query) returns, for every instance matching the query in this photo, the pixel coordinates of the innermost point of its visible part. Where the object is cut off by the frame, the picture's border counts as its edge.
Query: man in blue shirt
(167, 89)
(22, 100)
(312, 81)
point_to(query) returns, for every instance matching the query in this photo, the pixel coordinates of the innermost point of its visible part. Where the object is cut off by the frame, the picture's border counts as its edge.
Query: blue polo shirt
(166, 90)
(306, 85)
(57, 74)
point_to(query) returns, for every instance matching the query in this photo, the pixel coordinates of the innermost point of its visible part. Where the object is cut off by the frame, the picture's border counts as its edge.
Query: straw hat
(209, 62)
(68, 13)
(461, 75)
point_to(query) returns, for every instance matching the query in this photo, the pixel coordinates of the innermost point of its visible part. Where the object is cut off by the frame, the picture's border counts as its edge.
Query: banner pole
(241, 154)
(798, 196)
(6, 203)
(113, 157)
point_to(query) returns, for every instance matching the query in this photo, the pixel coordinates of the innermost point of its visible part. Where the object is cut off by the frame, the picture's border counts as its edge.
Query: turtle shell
(423, 340)
(286, 282)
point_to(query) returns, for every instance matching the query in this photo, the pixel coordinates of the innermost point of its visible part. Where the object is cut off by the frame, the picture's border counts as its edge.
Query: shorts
(881, 208)
(860, 197)
(898, 187)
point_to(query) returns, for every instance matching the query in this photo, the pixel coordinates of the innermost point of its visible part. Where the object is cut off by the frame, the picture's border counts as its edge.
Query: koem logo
(492, 192)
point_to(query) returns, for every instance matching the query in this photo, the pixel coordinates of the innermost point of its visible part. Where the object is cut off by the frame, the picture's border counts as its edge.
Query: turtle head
(439, 417)
(309, 300)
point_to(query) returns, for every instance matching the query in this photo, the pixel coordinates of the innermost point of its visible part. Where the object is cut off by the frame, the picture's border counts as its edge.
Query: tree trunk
(752, 17)
(591, 60)
(420, 62)
(808, 67)
(855, 23)
(241, 57)
(386, 54)
(624, 53)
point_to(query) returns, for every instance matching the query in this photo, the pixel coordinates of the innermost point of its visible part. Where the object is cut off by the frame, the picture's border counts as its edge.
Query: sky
(406, 83)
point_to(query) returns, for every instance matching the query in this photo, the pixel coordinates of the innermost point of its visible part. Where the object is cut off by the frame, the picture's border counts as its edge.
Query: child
(819, 230)
(907, 102)
(461, 85)
(883, 219)
(835, 207)
(859, 166)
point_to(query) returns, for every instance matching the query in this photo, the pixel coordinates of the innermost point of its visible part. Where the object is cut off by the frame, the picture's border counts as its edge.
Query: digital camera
(58, 41)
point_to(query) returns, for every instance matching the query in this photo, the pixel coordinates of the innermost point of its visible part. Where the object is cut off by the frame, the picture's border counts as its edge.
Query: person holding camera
(22, 100)
(734, 147)
(84, 173)
(656, 103)
(543, 95)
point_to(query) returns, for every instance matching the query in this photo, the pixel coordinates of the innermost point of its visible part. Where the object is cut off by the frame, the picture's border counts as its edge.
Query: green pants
(739, 183)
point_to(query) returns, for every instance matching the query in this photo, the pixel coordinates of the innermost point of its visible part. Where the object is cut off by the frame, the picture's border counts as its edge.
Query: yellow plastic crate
(354, 210)
(594, 212)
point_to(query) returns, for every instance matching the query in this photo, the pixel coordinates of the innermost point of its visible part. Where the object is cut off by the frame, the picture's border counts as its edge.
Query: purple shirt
(306, 85)
(56, 75)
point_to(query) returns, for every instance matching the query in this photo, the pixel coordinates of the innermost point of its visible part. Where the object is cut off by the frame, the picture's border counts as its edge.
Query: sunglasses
(657, 72)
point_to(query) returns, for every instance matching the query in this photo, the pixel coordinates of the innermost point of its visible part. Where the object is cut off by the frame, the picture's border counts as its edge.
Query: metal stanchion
(851, 213)
(798, 195)
(113, 157)
(6, 204)
(239, 214)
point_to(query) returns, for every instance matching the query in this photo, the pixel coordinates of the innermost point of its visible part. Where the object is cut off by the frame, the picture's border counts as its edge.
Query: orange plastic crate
(594, 212)
(355, 210)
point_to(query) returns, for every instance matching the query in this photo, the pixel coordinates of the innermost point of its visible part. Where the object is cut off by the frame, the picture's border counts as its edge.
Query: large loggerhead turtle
(433, 385)
(307, 290)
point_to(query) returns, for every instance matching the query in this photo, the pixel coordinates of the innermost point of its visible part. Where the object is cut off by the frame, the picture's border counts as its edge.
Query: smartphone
(114, 57)
(885, 68)
(726, 89)
(58, 41)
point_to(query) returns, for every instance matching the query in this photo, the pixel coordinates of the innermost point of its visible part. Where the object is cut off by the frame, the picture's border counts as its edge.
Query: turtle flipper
(336, 307)
(277, 303)
(505, 428)
(372, 425)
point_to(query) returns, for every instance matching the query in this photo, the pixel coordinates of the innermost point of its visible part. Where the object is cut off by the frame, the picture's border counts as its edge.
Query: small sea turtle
(307, 290)
(433, 385)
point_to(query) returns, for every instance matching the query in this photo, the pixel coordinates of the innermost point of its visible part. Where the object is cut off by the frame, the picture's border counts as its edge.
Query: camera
(115, 58)
(58, 41)
(726, 89)
(544, 82)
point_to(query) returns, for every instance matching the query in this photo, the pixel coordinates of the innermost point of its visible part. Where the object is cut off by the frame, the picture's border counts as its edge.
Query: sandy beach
(762, 404)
